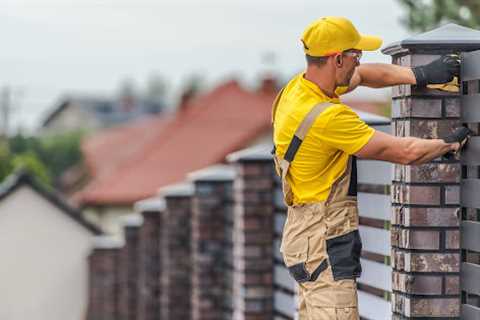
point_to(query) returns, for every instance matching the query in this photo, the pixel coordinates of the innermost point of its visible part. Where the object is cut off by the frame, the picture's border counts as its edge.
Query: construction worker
(317, 139)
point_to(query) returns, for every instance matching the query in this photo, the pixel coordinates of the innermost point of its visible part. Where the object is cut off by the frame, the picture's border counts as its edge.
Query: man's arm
(380, 75)
(405, 150)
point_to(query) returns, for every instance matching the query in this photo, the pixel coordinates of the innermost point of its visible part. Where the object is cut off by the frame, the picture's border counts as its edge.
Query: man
(317, 139)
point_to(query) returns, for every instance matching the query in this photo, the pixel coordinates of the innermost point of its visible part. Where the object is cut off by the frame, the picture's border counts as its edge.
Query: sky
(51, 48)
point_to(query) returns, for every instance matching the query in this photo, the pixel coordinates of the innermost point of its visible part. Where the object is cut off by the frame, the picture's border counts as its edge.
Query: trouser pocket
(344, 255)
(300, 273)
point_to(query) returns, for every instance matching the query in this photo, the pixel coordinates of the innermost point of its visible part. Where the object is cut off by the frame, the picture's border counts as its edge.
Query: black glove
(461, 135)
(439, 71)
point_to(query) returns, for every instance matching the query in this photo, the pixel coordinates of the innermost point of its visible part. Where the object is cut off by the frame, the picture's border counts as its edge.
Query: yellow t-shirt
(336, 133)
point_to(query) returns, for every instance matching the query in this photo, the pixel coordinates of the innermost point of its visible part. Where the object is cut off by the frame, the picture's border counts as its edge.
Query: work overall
(321, 244)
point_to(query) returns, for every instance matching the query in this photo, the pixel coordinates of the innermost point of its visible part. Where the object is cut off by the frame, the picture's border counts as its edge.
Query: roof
(15, 181)
(147, 156)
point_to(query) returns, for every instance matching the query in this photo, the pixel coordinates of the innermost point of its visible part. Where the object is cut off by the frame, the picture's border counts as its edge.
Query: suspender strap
(302, 130)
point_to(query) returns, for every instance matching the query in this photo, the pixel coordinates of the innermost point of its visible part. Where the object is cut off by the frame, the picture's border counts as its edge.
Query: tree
(423, 15)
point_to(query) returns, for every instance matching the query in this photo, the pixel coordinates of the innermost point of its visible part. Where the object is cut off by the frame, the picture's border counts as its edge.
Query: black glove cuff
(459, 135)
(420, 76)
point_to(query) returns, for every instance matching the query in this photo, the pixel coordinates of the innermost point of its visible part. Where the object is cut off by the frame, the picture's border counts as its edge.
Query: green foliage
(423, 15)
(45, 157)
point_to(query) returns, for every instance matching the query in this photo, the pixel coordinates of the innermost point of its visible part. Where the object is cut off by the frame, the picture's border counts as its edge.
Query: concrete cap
(256, 153)
(218, 172)
(150, 204)
(132, 220)
(108, 242)
(450, 36)
(184, 189)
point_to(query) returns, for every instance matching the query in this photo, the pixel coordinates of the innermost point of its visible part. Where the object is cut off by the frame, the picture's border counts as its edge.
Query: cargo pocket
(344, 255)
(296, 255)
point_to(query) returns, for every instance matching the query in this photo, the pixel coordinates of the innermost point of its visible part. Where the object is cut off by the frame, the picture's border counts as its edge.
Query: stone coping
(184, 189)
(150, 204)
(218, 172)
(132, 220)
(108, 242)
(256, 153)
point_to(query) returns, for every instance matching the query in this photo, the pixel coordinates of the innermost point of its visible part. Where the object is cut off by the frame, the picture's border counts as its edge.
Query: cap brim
(368, 43)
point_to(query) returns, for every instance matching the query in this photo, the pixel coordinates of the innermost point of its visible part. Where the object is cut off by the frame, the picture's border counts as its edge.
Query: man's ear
(339, 61)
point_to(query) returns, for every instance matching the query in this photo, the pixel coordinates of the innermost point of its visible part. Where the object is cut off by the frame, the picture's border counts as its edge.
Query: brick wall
(253, 236)
(425, 200)
(128, 268)
(150, 266)
(104, 279)
(175, 252)
(212, 229)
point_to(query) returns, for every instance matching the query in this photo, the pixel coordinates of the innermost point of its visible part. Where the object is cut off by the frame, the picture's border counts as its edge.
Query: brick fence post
(253, 235)
(128, 267)
(175, 237)
(150, 264)
(425, 198)
(103, 279)
(212, 229)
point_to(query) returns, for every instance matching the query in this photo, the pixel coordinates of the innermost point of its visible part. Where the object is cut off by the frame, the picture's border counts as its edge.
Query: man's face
(350, 59)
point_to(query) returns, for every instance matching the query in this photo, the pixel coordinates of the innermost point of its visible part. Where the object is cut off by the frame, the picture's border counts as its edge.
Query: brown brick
(433, 172)
(425, 307)
(432, 262)
(439, 217)
(417, 284)
(452, 107)
(452, 284)
(418, 239)
(428, 129)
(452, 239)
(452, 194)
(418, 107)
(407, 194)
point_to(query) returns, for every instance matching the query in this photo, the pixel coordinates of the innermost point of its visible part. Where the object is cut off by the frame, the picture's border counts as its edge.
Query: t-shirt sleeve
(346, 131)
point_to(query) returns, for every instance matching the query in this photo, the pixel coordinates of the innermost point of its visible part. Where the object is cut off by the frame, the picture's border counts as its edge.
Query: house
(45, 244)
(83, 112)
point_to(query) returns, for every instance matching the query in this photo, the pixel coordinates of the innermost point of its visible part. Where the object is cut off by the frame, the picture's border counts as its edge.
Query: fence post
(425, 198)
(212, 230)
(128, 267)
(175, 238)
(103, 278)
(150, 271)
(253, 235)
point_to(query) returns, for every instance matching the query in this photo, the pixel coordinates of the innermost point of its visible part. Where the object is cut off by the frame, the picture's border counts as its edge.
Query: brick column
(425, 198)
(150, 264)
(128, 267)
(176, 253)
(103, 279)
(212, 229)
(253, 235)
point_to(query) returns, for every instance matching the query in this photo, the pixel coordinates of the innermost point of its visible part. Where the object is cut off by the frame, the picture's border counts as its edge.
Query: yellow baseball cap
(329, 35)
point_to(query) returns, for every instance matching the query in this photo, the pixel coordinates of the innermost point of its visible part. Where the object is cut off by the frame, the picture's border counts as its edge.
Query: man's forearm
(425, 150)
(380, 75)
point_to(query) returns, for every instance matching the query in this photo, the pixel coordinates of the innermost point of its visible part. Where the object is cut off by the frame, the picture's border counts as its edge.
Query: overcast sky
(52, 47)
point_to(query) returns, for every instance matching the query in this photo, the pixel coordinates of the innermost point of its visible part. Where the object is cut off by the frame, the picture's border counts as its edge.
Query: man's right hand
(438, 71)
(458, 140)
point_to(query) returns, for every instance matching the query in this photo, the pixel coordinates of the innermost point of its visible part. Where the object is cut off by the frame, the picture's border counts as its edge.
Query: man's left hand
(438, 71)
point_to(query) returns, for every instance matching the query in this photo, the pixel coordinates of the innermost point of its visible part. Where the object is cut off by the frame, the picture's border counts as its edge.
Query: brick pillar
(150, 264)
(253, 235)
(176, 253)
(128, 267)
(103, 279)
(425, 198)
(212, 228)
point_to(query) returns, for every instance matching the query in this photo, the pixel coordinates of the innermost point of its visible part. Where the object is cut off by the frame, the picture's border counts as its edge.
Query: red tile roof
(132, 162)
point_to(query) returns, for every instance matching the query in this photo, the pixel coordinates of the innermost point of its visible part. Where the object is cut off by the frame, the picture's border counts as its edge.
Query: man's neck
(326, 85)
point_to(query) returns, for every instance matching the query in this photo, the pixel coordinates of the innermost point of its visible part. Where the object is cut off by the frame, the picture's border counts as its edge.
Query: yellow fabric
(329, 35)
(323, 155)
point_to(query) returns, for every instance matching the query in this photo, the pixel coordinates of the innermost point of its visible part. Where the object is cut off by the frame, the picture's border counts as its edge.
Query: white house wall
(43, 269)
